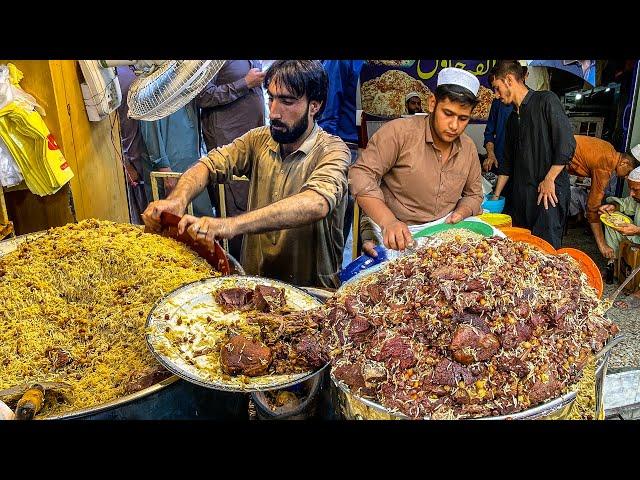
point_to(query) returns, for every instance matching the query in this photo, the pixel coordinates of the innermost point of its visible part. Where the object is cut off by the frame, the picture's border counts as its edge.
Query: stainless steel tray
(196, 301)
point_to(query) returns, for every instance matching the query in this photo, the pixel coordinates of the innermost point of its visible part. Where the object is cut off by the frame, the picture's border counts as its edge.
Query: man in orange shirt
(597, 159)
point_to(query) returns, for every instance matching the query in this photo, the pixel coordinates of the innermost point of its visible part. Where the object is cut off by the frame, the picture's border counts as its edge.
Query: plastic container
(363, 262)
(498, 220)
(493, 206)
(304, 409)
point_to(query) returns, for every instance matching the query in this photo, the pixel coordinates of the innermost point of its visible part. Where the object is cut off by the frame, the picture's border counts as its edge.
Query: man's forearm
(376, 210)
(554, 171)
(295, 211)
(502, 181)
(598, 234)
(191, 183)
(490, 148)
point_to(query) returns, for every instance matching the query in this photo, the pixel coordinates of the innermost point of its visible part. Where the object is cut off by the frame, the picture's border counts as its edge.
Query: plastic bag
(9, 172)
(10, 90)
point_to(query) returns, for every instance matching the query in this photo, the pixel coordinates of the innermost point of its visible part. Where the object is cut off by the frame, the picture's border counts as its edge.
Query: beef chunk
(474, 285)
(446, 272)
(234, 299)
(268, 299)
(513, 364)
(397, 349)
(376, 293)
(515, 334)
(541, 391)
(539, 318)
(146, 379)
(472, 319)
(350, 302)
(58, 357)
(308, 347)
(244, 356)
(358, 325)
(373, 372)
(450, 373)
(466, 337)
(351, 374)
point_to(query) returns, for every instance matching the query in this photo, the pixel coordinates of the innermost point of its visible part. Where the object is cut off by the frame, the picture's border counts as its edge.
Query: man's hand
(607, 208)
(397, 236)
(607, 252)
(629, 230)
(368, 247)
(207, 229)
(547, 193)
(455, 217)
(151, 215)
(132, 174)
(489, 162)
(254, 77)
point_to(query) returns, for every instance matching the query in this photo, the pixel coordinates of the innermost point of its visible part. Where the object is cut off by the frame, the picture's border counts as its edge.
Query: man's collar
(527, 97)
(306, 146)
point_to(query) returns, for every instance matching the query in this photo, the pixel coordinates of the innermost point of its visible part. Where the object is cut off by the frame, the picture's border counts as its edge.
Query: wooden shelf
(21, 186)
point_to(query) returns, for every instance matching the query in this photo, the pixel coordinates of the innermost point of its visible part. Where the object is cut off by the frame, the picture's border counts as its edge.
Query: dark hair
(300, 77)
(631, 159)
(456, 93)
(505, 67)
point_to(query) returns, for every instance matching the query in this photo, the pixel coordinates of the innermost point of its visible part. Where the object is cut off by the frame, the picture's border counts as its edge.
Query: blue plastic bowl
(493, 206)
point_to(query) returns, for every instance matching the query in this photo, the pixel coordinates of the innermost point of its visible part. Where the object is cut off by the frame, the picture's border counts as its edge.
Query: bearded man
(298, 183)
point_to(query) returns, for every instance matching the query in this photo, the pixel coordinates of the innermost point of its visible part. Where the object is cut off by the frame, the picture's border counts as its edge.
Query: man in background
(339, 116)
(413, 103)
(230, 106)
(133, 150)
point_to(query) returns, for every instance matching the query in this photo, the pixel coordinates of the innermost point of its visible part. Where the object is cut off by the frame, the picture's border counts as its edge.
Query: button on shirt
(309, 255)
(402, 167)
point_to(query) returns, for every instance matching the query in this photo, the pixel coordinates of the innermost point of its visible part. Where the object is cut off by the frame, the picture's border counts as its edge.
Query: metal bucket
(170, 398)
(354, 407)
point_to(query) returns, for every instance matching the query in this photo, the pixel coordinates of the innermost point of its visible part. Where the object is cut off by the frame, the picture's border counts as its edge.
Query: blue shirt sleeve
(492, 121)
(329, 120)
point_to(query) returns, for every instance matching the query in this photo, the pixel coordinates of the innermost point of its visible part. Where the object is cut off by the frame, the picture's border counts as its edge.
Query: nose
(274, 111)
(453, 124)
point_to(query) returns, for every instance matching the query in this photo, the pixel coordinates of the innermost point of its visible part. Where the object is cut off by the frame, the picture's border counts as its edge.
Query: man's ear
(432, 103)
(314, 107)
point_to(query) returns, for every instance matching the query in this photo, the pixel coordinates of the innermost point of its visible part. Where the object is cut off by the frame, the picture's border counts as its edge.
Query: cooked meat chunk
(308, 347)
(450, 373)
(268, 299)
(235, 299)
(470, 345)
(58, 357)
(146, 379)
(244, 356)
(395, 350)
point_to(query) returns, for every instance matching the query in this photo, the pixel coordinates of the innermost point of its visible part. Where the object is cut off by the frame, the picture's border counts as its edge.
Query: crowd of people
(304, 169)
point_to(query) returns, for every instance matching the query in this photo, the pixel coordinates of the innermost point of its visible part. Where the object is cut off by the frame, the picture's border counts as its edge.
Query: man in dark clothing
(133, 149)
(539, 144)
(230, 106)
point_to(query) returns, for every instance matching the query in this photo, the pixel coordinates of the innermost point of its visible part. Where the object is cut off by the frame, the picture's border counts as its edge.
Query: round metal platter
(192, 304)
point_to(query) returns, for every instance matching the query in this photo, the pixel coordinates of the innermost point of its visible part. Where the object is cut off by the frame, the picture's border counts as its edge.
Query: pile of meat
(467, 329)
(288, 342)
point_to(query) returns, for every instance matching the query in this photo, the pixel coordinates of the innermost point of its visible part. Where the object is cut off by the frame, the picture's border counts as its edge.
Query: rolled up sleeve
(374, 162)
(329, 178)
(232, 159)
(472, 192)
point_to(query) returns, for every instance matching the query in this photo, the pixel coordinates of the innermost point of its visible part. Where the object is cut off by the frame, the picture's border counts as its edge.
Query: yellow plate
(611, 219)
(496, 219)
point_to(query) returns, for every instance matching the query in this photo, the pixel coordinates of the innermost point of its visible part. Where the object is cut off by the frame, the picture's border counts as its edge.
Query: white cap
(416, 94)
(635, 151)
(634, 176)
(462, 78)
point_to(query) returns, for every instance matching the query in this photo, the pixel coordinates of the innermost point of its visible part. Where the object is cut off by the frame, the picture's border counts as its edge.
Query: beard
(289, 134)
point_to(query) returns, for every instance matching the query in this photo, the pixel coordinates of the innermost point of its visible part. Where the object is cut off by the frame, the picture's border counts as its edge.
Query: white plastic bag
(12, 93)
(9, 172)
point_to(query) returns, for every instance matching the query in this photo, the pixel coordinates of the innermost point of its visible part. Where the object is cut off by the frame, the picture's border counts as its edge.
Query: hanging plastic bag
(10, 90)
(9, 172)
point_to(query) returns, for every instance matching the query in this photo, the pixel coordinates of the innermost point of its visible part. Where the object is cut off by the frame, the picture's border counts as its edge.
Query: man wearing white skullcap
(413, 103)
(539, 144)
(629, 206)
(420, 169)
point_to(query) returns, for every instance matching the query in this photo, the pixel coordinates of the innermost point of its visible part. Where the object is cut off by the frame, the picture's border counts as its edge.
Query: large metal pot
(354, 407)
(171, 398)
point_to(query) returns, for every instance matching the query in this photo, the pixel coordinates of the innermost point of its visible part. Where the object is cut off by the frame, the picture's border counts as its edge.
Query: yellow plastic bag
(34, 148)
